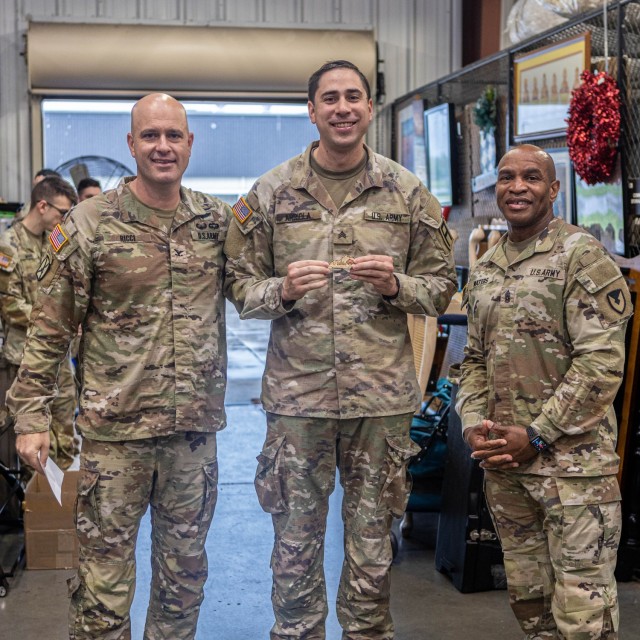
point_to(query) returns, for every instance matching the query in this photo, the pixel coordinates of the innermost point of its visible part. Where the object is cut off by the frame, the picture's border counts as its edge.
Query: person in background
(336, 247)
(139, 268)
(547, 311)
(21, 250)
(39, 175)
(87, 188)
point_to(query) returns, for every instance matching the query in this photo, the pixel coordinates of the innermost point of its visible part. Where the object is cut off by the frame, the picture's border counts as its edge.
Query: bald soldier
(547, 309)
(139, 268)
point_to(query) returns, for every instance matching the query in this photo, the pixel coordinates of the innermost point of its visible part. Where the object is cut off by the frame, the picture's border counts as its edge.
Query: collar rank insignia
(58, 238)
(616, 301)
(242, 211)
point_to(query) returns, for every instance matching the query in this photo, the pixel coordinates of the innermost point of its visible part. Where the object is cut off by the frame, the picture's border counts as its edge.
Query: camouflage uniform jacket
(342, 351)
(546, 348)
(152, 355)
(20, 254)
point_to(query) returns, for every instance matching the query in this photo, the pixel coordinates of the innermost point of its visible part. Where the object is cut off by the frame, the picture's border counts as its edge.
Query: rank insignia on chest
(58, 238)
(242, 211)
(5, 261)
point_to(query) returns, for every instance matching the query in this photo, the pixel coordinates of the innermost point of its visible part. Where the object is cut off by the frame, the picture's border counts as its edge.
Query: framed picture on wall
(563, 206)
(543, 80)
(440, 136)
(600, 210)
(410, 151)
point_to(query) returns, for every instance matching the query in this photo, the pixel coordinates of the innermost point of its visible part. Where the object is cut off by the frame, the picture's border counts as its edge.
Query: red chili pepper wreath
(594, 126)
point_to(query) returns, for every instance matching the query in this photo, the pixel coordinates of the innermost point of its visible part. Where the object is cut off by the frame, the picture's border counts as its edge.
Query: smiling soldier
(547, 310)
(132, 268)
(336, 247)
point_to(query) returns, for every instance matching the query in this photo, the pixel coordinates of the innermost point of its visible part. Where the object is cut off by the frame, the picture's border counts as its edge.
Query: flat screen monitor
(410, 150)
(600, 210)
(439, 128)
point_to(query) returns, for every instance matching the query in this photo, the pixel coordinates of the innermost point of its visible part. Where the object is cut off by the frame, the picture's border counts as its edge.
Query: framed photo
(543, 80)
(439, 128)
(411, 152)
(563, 206)
(600, 210)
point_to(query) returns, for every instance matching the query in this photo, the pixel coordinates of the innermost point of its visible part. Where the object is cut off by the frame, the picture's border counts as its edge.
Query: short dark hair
(47, 173)
(51, 187)
(314, 80)
(85, 183)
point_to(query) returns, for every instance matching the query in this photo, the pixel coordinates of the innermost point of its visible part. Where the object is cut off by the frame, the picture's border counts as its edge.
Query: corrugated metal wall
(419, 41)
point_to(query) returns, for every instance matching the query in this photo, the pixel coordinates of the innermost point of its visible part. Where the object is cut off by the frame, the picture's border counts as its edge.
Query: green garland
(485, 113)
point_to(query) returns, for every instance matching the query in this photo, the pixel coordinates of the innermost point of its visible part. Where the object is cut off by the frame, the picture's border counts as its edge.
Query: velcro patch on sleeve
(6, 262)
(44, 266)
(58, 238)
(242, 211)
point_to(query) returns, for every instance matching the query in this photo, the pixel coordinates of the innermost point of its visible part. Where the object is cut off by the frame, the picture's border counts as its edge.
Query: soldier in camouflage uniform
(339, 384)
(21, 248)
(547, 311)
(139, 268)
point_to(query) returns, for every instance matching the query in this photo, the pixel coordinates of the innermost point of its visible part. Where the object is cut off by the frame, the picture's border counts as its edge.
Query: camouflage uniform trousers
(295, 476)
(63, 442)
(560, 539)
(178, 476)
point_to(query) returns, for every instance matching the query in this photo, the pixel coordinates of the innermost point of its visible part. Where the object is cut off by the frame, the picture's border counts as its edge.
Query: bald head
(534, 153)
(161, 143)
(155, 103)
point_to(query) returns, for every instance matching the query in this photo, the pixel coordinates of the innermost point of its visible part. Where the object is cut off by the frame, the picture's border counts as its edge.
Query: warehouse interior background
(69, 73)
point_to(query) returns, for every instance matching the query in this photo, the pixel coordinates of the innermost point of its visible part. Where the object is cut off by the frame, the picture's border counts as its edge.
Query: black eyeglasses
(62, 212)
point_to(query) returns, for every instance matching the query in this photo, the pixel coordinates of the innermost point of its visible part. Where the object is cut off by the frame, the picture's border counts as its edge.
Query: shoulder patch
(6, 262)
(617, 300)
(58, 238)
(44, 266)
(242, 211)
(445, 235)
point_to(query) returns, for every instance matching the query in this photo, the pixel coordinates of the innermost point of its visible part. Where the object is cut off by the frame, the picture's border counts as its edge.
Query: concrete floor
(237, 601)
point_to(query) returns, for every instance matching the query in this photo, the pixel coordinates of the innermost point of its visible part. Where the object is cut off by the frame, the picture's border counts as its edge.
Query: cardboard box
(49, 530)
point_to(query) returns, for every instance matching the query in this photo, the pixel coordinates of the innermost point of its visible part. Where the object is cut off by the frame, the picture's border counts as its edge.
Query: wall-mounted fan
(107, 171)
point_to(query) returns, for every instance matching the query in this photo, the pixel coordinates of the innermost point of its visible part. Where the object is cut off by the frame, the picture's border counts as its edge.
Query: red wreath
(594, 126)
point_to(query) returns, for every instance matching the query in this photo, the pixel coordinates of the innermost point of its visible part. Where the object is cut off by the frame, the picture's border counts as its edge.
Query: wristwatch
(536, 440)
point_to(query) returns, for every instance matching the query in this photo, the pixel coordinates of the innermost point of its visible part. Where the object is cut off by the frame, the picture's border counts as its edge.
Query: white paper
(55, 476)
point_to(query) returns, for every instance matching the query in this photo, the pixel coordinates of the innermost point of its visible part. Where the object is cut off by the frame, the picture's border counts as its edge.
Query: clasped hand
(306, 275)
(499, 447)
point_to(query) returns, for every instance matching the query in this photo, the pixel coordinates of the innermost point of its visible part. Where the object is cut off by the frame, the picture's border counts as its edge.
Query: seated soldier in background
(21, 249)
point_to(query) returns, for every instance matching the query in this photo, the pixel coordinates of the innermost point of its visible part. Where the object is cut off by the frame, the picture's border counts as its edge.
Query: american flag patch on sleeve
(5, 261)
(58, 238)
(242, 211)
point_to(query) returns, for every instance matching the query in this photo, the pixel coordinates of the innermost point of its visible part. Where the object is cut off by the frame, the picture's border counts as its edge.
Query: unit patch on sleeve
(242, 211)
(44, 266)
(446, 236)
(58, 238)
(617, 301)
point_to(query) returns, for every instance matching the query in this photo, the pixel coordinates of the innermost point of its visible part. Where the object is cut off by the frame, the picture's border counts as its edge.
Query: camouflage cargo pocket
(397, 480)
(210, 497)
(87, 511)
(269, 478)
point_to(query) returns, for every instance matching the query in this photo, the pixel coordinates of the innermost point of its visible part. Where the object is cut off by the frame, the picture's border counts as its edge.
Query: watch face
(538, 443)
